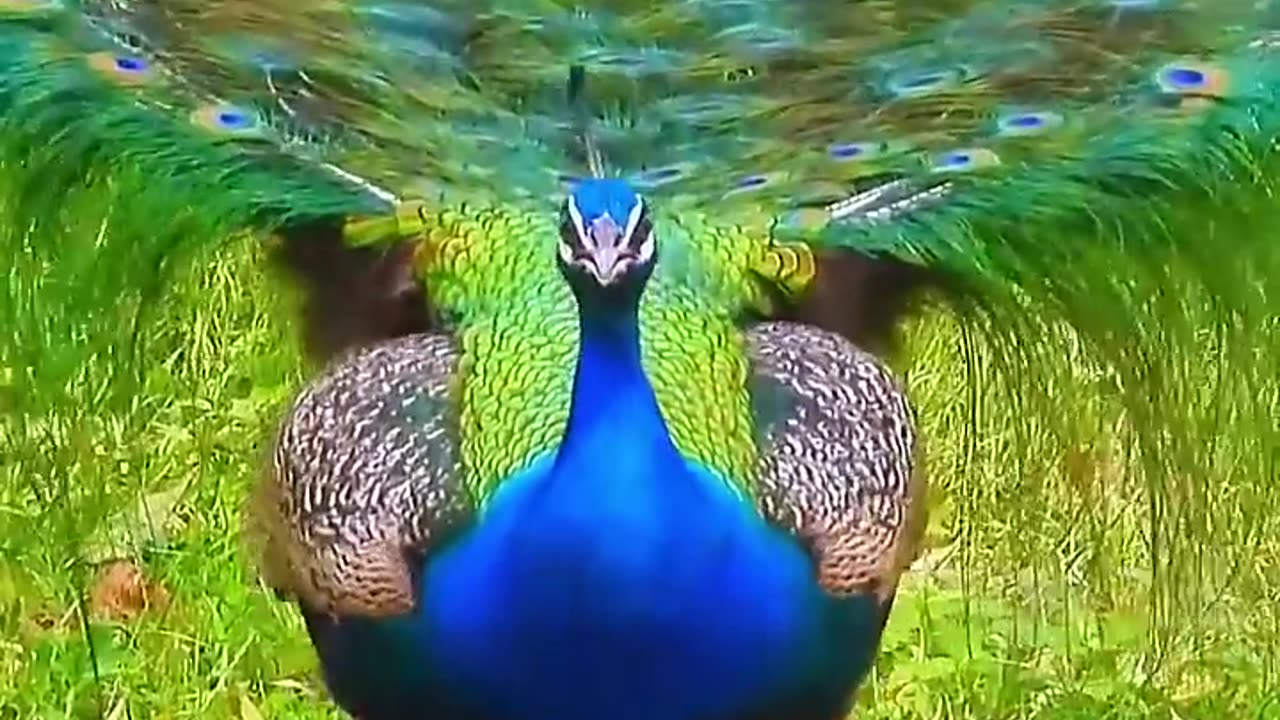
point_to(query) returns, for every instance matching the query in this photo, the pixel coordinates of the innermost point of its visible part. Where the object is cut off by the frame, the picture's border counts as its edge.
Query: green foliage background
(1083, 560)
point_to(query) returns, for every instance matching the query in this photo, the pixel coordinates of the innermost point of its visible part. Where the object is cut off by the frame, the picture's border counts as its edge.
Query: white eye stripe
(575, 215)
(646, 246)
(634, 218)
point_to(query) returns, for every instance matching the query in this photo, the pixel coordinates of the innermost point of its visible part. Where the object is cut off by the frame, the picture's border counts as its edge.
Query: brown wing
(365, 474)
(840, 460)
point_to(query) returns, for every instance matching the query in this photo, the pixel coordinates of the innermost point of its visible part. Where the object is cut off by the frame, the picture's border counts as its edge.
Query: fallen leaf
(122, 592)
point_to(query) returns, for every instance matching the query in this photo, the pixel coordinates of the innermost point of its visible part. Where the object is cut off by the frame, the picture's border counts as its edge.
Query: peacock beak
(608, 256)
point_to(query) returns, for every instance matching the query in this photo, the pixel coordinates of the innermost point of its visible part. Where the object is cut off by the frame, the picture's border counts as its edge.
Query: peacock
(604, 296)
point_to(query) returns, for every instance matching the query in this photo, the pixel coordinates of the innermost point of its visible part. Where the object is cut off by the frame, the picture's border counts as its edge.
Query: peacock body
(614, 556)
(599, 430)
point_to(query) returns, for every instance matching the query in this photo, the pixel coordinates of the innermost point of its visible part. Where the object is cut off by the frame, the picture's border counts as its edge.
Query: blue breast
(612, 579)
(571, 606)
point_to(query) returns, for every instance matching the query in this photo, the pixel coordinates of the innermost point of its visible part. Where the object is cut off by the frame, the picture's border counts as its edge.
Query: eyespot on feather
(129, 70)
(229, 120)
(1190, 77)
(659, 176)
(1028, 123)
(964, 160)
(844, 163)
(919, 84)
(754, 183)
(857, 151)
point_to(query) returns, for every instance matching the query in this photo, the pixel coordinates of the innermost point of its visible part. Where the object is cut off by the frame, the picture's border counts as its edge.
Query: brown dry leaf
(122, 592)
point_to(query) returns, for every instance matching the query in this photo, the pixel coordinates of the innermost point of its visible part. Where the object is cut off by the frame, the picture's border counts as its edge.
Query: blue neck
(614, 416)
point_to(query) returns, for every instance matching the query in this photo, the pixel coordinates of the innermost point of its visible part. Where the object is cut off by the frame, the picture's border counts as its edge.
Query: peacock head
(606, 238)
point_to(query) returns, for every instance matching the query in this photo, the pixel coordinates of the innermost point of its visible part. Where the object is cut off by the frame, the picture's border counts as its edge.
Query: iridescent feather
(1066, 166)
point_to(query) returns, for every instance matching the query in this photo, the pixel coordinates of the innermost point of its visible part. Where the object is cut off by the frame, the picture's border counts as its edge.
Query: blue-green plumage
(1052, 166)
(614, 577)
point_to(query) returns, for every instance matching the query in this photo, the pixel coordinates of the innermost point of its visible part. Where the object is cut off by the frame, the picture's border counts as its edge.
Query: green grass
(1067, 574)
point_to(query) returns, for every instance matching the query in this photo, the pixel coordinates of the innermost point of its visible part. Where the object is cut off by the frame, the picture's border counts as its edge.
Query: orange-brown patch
(121, 591)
